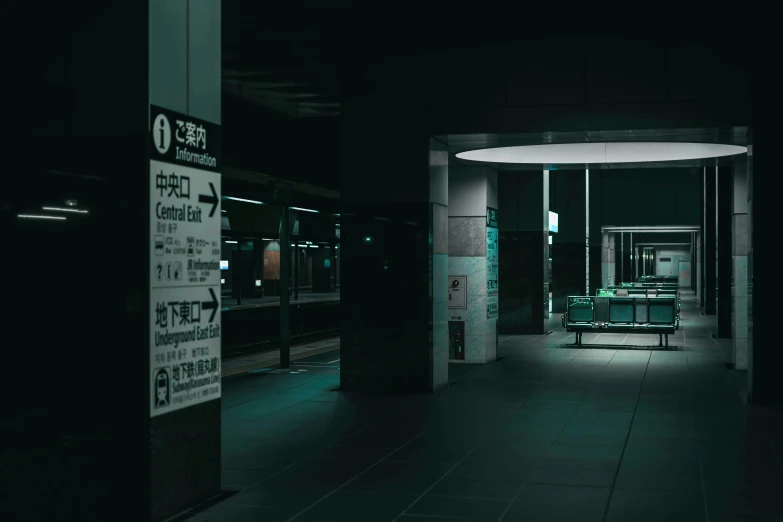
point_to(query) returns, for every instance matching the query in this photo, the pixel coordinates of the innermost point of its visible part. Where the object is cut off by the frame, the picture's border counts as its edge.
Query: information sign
(492, 251)
(185, 264)
(492, 306)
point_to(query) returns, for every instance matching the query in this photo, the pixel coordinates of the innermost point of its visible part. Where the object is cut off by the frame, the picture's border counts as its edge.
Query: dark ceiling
(286, 61)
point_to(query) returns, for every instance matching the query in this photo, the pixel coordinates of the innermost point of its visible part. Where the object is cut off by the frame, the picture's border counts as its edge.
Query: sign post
(184, 261)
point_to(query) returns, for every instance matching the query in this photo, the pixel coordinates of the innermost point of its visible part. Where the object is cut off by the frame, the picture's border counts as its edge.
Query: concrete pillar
(612, 259)
(185, 76)
(587, 231)
(472, 253)
(725, 191)
(637, 268)
(439, 200)
(709, 239)
(740, 237)
(765, 358)
(388, 219)
(607, 266)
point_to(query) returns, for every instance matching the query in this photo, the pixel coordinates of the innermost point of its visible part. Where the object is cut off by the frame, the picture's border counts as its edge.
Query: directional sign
(210, 199)
(212, 304)
(185, 221)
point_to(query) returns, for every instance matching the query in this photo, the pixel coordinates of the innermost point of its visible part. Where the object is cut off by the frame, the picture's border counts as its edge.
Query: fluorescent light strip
(313, 246)
(245, 200)
(37, 216)
(304, 209)
(74, 210)
(222, 210)
(232, 242)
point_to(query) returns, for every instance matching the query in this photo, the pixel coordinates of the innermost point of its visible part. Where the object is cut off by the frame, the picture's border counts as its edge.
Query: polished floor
(548, 433)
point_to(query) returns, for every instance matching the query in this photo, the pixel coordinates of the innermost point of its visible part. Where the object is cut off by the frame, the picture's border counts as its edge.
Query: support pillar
(439, 201)
(740, 236)
(607, 264)
(765, 358)
(388, 228)
(587, 231)
(612, 258)
(473, 249)
(725, 191)
(709, 239)
(285, 285)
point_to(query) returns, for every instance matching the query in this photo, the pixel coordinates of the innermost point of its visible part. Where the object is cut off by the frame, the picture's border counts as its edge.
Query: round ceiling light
(614, 152)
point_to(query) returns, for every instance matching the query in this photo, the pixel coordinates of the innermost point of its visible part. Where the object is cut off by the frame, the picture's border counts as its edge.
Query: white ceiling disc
(612, 152)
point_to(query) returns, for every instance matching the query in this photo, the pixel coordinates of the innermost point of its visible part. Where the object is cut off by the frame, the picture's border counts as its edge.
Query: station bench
(635, 291)
(613, 314)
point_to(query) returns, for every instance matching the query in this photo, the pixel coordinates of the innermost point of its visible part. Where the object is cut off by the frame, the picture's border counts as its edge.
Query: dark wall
(567, 198)
(643, 197)
(81, 132)
(522, 253)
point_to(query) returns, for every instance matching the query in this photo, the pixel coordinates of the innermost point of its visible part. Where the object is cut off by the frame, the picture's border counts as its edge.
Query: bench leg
(660, 339)
(667, 340)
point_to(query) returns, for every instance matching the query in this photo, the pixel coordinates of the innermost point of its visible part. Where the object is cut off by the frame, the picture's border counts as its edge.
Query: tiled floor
(549, 433)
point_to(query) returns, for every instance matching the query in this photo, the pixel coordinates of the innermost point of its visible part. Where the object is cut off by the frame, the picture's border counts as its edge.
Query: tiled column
(740, 233)
(439, 199)
(472, 190)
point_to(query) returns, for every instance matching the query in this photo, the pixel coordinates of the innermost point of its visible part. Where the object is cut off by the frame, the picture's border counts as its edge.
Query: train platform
(269, 360)
(614, 430)
(231, 303)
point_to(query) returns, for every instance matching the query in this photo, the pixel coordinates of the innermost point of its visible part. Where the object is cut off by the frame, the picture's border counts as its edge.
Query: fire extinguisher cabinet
(457, 340)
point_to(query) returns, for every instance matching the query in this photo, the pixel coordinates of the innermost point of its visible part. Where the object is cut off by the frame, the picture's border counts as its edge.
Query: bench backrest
(663, 310)
(621, 310)
(580, 310)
